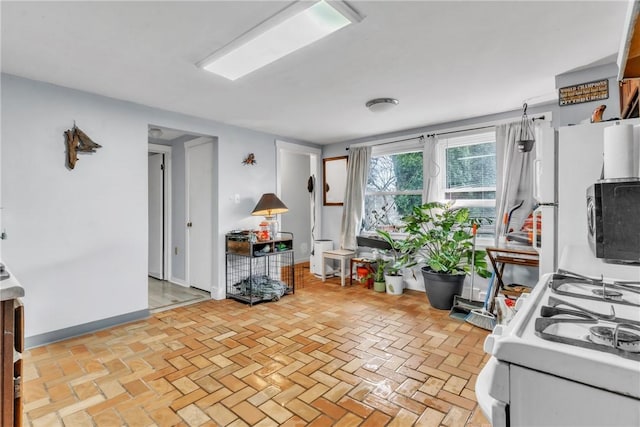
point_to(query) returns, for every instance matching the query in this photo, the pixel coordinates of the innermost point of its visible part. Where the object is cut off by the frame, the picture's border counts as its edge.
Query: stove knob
(489, 342)
(491, 339)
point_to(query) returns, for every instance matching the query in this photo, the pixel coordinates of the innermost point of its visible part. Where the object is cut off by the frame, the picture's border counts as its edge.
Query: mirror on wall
(334, 176)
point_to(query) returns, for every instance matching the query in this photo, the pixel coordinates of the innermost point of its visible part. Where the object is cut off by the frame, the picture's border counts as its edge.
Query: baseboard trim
(85, 328)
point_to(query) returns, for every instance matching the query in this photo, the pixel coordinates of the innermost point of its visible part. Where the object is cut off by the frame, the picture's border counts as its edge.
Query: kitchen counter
(10, 287)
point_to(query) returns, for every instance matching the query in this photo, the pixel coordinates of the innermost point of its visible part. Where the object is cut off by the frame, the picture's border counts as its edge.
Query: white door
(156, 215)
(199, 165)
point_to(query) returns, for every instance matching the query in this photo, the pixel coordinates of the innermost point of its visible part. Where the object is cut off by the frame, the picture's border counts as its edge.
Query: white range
(570, 357)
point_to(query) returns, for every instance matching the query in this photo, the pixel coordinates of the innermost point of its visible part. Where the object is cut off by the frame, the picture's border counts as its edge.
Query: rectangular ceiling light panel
(278, 37)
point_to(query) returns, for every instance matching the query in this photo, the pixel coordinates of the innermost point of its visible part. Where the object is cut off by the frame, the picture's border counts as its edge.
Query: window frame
(413, 146)
(459, 140)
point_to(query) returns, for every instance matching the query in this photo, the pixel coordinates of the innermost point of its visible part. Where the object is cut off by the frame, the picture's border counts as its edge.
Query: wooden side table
(366, 263)
(501, 256)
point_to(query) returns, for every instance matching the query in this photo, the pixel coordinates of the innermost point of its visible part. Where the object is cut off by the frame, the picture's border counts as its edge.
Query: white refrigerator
(568, 161)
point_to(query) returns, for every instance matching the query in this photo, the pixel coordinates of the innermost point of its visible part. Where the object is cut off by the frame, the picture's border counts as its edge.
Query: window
(394, 187)
(468, 175)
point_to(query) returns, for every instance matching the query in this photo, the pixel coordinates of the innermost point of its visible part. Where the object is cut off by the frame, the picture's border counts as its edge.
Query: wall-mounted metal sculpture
(78, 142)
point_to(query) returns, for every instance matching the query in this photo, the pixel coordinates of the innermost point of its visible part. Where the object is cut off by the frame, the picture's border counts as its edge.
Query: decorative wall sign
(78, 142)
(583, 92)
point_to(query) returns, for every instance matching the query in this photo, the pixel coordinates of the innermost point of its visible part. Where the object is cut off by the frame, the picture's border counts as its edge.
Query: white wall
(295, 171)
(78, 239)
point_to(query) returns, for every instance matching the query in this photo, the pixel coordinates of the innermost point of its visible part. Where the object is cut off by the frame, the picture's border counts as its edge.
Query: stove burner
(614, 337)
(626, 293)
(608, 294)
(623, 343)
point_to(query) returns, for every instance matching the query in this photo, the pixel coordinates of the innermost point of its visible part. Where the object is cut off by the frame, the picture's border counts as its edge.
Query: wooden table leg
(351, 272)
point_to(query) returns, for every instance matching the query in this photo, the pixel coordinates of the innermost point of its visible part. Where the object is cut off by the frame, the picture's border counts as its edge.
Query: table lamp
(269, 206)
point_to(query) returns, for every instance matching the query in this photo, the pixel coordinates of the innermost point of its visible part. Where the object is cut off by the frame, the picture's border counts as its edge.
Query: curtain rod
(478, 128)
(443, 133)
(393, 142)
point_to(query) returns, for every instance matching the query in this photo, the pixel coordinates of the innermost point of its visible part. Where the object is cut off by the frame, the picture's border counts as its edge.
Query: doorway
(297, 185)
(159, 198)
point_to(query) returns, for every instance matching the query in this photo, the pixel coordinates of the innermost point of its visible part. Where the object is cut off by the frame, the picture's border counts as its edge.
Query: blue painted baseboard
(85, 328)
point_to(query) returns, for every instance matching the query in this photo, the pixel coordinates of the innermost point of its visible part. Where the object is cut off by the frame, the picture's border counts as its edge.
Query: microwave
(613, 218)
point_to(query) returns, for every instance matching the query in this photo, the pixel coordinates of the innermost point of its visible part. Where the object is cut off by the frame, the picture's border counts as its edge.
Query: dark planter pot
(441, 287)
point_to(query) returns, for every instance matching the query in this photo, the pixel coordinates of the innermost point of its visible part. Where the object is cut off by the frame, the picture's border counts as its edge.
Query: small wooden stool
(357, 262)
(340, 254)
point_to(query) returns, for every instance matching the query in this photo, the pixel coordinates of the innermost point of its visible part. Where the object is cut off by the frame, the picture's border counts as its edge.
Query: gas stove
(575, 339)
(592, 313)
(551, 333)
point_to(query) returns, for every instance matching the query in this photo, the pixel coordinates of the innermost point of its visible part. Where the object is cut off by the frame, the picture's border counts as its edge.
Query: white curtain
(515, 179)
(353, 208)
(430, 170)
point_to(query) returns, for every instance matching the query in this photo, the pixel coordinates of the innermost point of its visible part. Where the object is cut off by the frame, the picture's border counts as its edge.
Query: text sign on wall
(584, 92)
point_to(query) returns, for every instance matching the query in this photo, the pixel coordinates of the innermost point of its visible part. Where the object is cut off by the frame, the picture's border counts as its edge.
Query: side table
(501, 256)
(366, 263)
(343, 255)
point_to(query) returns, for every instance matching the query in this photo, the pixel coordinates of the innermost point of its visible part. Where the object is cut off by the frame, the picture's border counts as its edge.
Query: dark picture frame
(334, 180)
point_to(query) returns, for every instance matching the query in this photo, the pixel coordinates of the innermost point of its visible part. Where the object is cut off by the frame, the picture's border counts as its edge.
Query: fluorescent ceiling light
(293, 28)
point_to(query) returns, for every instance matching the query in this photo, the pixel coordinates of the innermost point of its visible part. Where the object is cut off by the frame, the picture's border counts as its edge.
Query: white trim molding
(166, 150)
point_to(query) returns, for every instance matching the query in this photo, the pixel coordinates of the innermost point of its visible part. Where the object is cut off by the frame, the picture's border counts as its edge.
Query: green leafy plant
(398, 253)
(441, 236)
(378, 275)
(363, 279)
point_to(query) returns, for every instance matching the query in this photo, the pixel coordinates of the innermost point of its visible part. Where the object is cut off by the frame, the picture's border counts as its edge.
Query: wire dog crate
(259, 271)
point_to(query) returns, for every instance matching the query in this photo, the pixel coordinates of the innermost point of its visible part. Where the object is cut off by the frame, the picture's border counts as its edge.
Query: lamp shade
(269, 205)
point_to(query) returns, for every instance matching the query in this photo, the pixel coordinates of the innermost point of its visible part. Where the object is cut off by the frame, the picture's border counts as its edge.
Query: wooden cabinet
(11, 348)
(629, 63)
(259, 271)
(629, 105)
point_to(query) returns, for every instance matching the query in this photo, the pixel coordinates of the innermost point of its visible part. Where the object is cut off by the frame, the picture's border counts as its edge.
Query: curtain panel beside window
(353, 208)
(515, 183)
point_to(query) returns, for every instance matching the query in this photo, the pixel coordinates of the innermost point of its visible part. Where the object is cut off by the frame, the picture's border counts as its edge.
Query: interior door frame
(187, 188)
(315, 156)
(166, 150)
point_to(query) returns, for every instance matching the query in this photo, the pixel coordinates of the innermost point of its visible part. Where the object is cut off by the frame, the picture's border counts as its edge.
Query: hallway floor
(323, 356)
(164, 295)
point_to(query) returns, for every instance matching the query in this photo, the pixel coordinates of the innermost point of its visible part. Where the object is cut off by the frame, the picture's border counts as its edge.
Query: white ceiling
(444, 61)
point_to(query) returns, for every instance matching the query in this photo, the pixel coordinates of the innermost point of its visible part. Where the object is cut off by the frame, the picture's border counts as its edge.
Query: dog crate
(258, 271)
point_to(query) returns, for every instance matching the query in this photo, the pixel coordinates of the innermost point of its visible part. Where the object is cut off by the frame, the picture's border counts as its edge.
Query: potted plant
(440, 237)
(364, 275)
(378, 275)
(393, 279)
